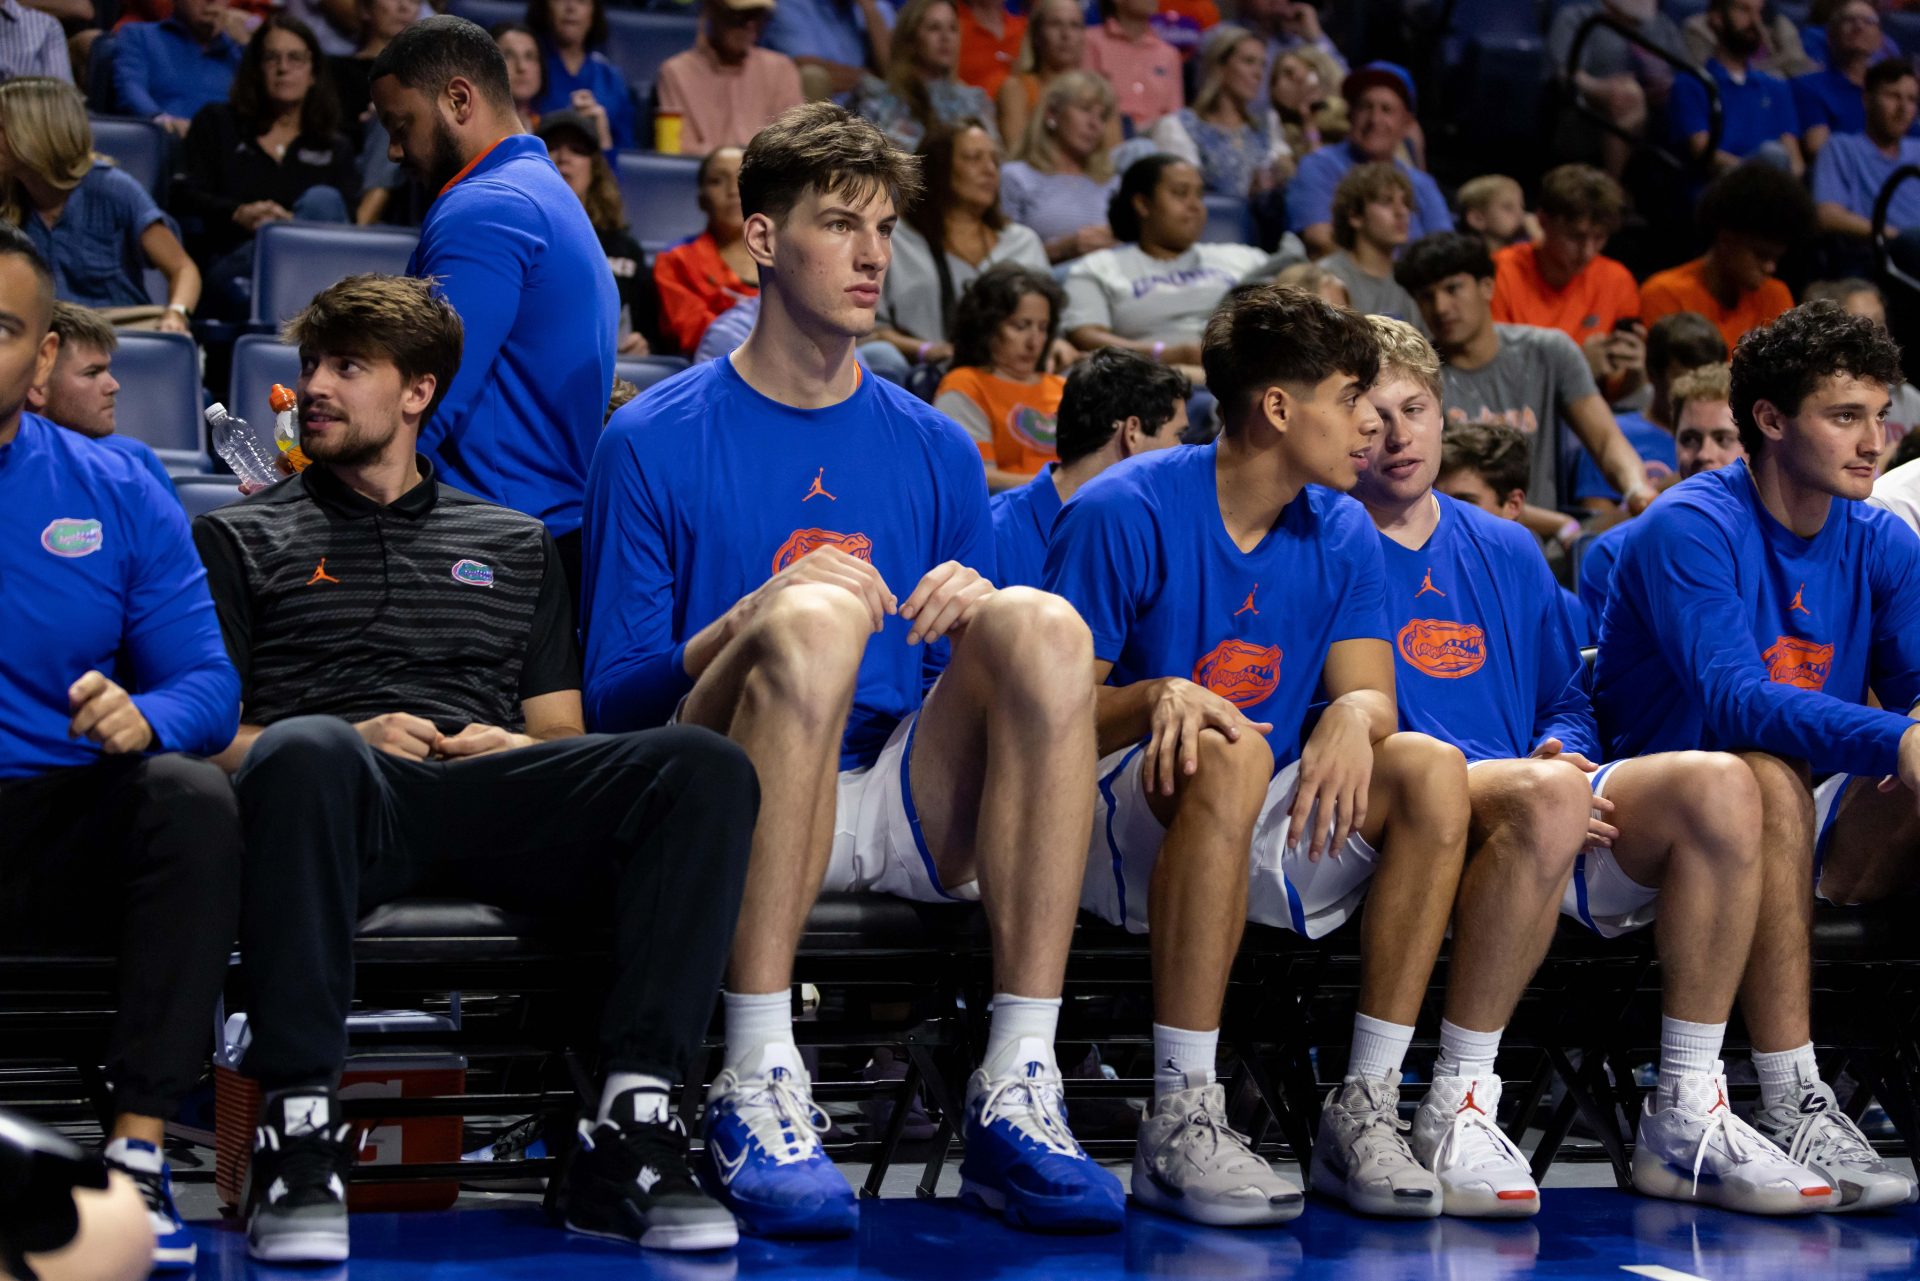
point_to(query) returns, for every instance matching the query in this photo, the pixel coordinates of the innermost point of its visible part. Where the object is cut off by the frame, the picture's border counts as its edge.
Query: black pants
(138, 857)
(647, 831)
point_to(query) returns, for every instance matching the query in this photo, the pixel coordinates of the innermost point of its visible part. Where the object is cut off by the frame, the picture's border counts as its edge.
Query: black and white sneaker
(629, 1180)
(297, 1202)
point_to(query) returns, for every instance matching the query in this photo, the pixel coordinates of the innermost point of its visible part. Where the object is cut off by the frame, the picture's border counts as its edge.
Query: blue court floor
(1580, 1233)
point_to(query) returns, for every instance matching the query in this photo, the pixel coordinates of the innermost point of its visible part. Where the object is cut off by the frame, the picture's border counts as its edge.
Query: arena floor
(1581, 1232)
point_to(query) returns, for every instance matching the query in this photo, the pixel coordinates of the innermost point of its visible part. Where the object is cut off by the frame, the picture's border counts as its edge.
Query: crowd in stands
(1075, 275)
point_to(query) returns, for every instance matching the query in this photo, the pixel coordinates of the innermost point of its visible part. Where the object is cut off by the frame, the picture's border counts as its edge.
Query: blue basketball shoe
(173, 1246)
(763, 1158)
(1023, 1161)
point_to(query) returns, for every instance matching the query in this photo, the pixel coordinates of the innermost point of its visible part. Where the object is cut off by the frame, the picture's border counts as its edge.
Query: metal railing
(1883, 260)
(1716, 111)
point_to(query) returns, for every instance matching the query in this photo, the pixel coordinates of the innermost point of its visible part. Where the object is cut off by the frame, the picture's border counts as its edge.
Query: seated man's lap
(1285, 888)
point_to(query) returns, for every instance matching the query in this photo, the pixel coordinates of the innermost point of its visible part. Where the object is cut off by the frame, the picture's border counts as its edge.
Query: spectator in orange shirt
(702, 277)
(1564, 282)
(997, 387)
(990, 41)
(1143, 69)
(1751, 216)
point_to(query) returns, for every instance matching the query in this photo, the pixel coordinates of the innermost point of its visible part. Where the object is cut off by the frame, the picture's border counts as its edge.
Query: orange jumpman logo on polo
(1426, 585)
(819, 490)
(1247, 606)
(1796, 603)
(320, 574)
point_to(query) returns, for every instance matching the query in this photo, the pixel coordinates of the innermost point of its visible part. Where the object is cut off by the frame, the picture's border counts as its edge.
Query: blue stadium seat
(138, 146)
(489, 13)
(260, 361)
(99, 87)
(648, 370)
(296, 260)
(1905, 30)
(202, 494)
(1229, 221)
(159, 376)
(1498, 18)
(661, 194)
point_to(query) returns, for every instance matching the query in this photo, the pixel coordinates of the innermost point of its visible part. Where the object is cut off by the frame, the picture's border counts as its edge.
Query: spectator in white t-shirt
(1899, 492)
(1153, 293)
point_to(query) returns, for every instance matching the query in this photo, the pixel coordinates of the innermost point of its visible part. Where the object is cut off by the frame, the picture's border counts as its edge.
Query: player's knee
(1037, 646)
(1232, 772)
(1718, 798)
(1550, 802)
(1424, 775)
(807, 644)
(300, 749)
(1785, 788)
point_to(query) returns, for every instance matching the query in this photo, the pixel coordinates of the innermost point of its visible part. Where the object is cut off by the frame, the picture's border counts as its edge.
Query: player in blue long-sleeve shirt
(1116, 404)
(117, 837)
(1754, 613)
(514, 253)
(1486, 659)
(1226, 585)
(783, 547)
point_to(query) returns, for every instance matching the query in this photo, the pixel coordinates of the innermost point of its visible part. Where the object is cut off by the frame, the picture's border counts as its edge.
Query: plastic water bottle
(234, 440)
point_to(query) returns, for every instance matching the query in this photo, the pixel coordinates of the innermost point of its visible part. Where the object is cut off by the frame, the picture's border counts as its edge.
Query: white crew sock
(654, 1101)
(146, 1158)
(1686, 1049)
(1464, 1052)
(1021, 1031)
(756, 1021)
(1176, 1052)
(1781, 1074)
(1378, 1048)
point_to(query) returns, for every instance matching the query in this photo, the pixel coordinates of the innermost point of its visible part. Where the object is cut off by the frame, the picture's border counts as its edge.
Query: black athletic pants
(136, 857)
(648, 832)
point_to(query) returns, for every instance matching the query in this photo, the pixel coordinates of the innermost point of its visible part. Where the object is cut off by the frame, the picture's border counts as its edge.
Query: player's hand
(1598, 832)
(1062, 356)
(1627, 352)
(1336, 769)
(1180, 712)
(827, 565)
(943, 602)
(104, 712)
(477, 740)
(409, 737)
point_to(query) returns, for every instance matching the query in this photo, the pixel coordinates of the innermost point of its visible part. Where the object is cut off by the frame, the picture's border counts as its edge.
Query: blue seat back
(638, 42)
(160, 399)
(294, 261)
(1229, 221)
(202, 494)
(661, 194)
(140, 147)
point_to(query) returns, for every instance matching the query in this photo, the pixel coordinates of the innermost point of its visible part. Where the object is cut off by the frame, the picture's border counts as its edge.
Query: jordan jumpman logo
(1796, 602)
(320, 574)
(819, 490)
(1247, 606)
(1426, 585)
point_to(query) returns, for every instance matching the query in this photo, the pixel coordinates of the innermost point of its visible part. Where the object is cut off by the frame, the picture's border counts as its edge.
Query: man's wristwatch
(186, 312)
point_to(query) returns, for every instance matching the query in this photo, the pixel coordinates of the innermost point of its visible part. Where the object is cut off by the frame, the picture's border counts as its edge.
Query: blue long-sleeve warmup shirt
(95, 561)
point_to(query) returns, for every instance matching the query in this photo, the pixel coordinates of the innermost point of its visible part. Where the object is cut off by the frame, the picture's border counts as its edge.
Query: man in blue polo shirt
(514, 253)
(165, 71)
(1116, 404)
(115, 840)
(1853, 167)
(1754, 612)
(1380, 96)
(1758, 118)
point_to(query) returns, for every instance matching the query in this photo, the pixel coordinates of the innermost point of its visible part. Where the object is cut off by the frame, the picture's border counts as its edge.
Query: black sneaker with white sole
(297, 1198)
(629, 1180)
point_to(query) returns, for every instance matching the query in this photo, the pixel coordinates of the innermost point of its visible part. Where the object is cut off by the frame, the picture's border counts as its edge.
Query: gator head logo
(1240, 672)
(1033, 429)
(803, 541)
(72, 537)
(1803, 664)
(1443, 649)
(472, 573)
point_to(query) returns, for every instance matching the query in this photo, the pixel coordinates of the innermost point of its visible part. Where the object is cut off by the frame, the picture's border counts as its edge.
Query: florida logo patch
(472, 573)
(72, 537)
(1034, 429)
(1239, 671)
(1804, 664)
(802, 541)
(1444, 649)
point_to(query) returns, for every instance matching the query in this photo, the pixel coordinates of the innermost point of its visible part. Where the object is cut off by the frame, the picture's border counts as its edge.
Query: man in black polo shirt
(411, 723)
